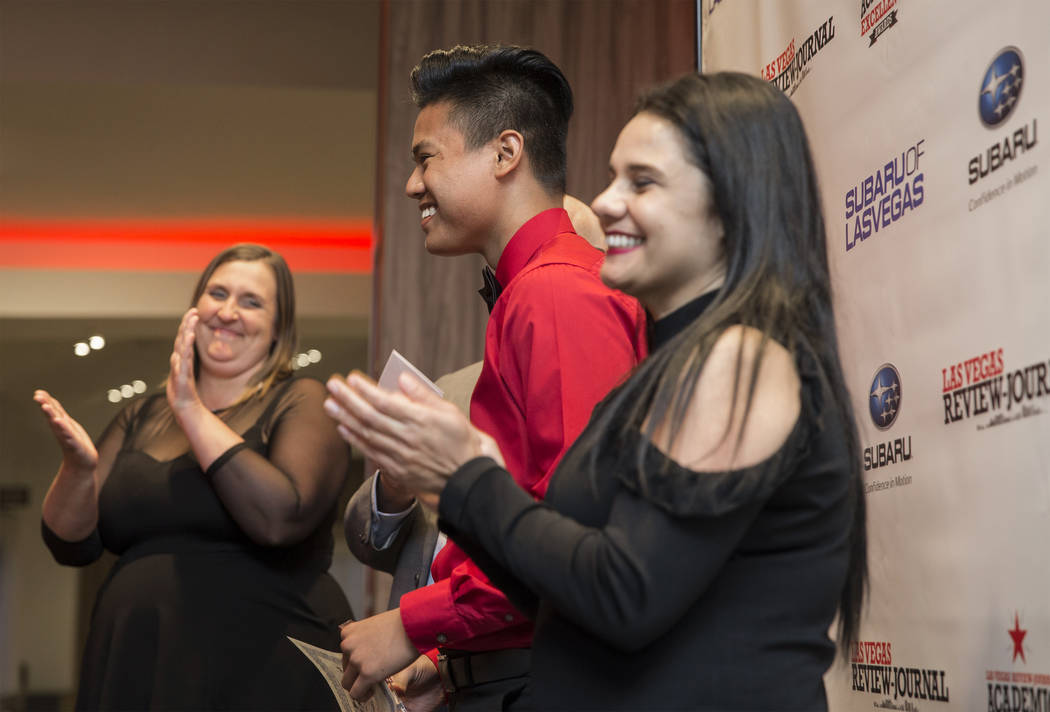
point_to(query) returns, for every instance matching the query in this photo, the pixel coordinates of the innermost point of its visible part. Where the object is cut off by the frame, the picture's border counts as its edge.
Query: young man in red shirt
(489, 147)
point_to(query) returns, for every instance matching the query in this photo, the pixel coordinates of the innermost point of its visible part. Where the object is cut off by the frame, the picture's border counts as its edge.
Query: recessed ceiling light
(139, 386)
(314, 355)
(81, 349)
(96, 342)
(127, 391)
(114, 395)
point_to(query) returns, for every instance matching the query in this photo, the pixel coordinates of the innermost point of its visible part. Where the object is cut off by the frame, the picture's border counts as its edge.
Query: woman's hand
(78, 451)
(71, 503)
(182, 386)
(415, 437)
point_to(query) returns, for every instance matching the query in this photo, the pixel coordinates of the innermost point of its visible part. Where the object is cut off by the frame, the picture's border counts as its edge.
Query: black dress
(194, 614)
(710, 591)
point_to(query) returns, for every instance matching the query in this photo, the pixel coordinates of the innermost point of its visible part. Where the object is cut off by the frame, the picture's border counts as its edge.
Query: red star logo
(1018, 637)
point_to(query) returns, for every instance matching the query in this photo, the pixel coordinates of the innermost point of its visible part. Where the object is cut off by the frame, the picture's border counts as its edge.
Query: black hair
(493, 89)
(748, 139)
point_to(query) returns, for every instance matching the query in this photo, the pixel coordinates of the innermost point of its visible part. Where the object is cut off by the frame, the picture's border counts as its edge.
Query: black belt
(460, 669)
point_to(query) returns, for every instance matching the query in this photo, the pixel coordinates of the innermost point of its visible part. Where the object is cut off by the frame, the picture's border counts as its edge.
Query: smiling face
(237, 311)
(664, 235)
(453, 184)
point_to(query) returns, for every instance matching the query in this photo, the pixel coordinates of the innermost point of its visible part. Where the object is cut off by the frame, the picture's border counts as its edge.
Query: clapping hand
(181, 386)
(77, 449)
(415, 437)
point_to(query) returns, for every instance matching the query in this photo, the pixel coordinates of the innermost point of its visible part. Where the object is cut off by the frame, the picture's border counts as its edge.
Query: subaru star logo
(884, 398)
(1001, 87)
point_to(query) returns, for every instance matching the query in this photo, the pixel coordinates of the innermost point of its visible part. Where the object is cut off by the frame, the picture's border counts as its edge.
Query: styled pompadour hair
(493, 89)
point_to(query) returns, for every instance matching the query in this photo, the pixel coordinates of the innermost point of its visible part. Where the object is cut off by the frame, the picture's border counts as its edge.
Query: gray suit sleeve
(358, 525)
(407, 556)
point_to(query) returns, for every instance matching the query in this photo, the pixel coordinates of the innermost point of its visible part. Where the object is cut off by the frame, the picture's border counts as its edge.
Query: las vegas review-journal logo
(885, 394)
(876, 18)
(787, 70)
(1017, 690)
(873, 672)
(892, 191)
(998, 98)
(983, 386)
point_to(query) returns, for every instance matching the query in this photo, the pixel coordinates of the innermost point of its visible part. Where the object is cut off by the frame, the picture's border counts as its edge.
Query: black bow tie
(492, 289)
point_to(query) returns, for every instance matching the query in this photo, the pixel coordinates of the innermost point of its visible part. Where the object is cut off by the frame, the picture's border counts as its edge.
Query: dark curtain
(426, 307)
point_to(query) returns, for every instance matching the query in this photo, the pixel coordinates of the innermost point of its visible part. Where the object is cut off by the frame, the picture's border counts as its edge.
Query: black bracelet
(223, 459)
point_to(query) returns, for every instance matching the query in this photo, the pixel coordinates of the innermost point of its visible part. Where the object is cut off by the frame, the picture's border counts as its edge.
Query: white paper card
(395, 366)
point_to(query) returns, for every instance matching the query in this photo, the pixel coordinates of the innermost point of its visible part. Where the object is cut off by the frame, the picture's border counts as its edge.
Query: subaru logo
(884, 398)
(1001, 87)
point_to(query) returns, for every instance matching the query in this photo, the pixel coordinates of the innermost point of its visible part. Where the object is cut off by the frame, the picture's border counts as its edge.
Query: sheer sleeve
(281, 498)
(72, 553)
(89, 549)
(613, 580)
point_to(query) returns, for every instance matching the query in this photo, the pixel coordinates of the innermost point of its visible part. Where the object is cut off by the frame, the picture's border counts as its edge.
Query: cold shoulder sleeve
(281, 495)
(628, 580)
(681, 492)
(613, 580)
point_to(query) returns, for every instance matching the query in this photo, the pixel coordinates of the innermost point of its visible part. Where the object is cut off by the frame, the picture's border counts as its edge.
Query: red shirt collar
(527, 241)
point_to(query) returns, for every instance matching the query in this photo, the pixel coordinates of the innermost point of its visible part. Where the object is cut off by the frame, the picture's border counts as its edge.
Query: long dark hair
(748, 139)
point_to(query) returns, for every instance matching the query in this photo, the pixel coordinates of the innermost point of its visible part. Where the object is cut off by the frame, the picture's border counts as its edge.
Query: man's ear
(510, 149)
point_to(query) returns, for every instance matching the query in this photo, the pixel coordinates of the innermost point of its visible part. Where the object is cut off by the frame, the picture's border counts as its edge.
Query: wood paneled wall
(427, 307)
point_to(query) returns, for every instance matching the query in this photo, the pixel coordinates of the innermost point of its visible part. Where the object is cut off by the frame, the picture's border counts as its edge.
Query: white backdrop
(937, 216)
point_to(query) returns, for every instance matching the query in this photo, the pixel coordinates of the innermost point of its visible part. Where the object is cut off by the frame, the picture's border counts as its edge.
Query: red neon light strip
(181, 245)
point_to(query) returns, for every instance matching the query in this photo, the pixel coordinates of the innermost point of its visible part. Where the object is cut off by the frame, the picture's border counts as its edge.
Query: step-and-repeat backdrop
(925, 120)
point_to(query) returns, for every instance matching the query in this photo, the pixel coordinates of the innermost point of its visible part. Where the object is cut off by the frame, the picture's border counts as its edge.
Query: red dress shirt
(557, 341)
